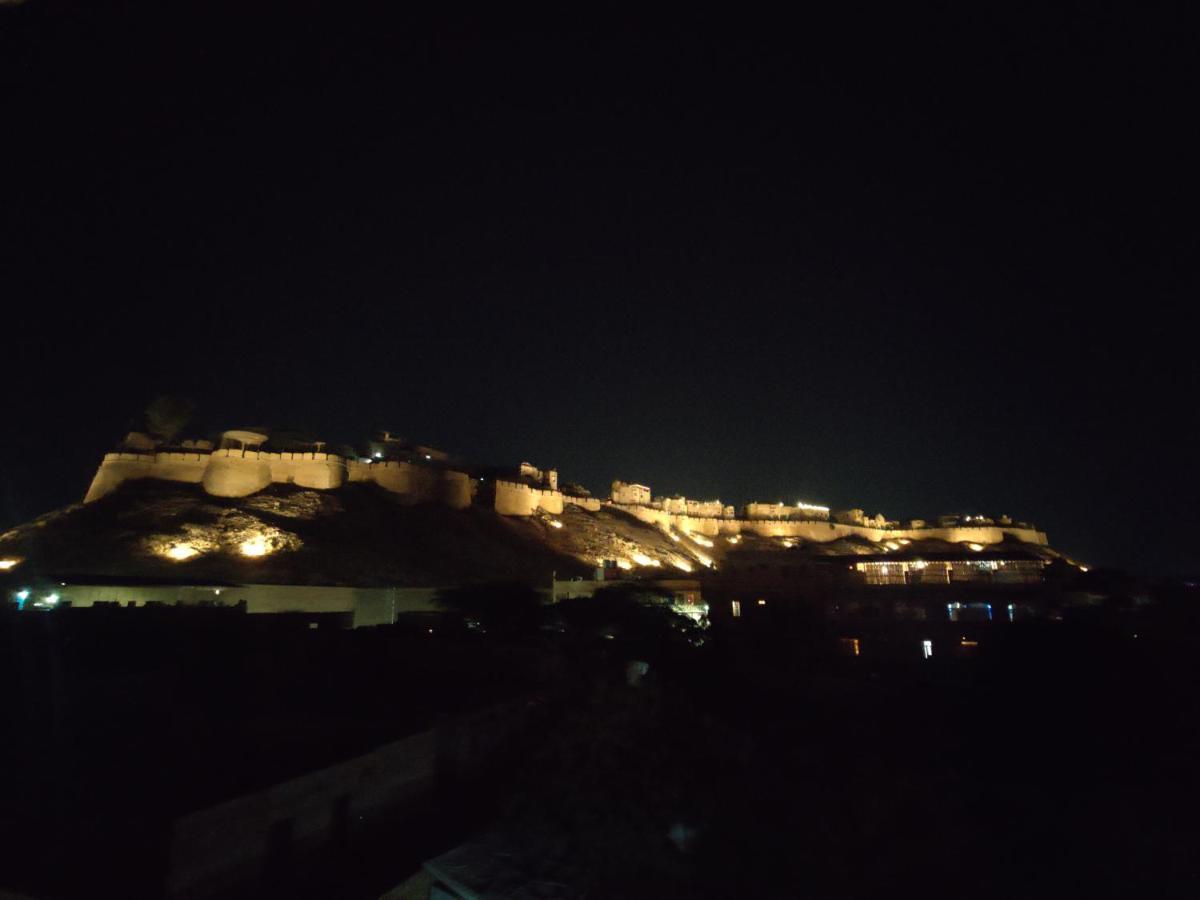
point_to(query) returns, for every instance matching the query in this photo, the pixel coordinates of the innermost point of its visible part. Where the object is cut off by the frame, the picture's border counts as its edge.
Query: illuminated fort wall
(826, 531)
(240, 473)
(516, 499)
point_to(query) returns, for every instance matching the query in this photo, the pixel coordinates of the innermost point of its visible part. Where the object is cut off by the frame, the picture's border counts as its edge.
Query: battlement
(240, 467)
(809, 522)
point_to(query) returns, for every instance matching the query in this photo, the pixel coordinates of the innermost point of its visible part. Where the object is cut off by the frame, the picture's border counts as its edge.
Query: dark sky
(917, 261)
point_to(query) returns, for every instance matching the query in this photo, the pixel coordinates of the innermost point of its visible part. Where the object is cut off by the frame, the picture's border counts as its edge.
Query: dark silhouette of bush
(167, 416)
(500, 608)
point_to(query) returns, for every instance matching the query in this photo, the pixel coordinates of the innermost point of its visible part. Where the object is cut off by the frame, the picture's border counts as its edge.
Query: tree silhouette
(166, 416)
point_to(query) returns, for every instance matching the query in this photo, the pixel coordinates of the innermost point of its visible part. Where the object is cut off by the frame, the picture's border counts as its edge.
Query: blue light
(22, 596)
(989, 609)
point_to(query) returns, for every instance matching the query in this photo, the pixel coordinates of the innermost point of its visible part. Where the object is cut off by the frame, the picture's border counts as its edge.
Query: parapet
(514, 498)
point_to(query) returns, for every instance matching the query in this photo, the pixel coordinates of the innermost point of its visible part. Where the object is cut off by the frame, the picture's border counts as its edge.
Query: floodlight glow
(10, 563)
(255, 546)
(554, 523)
(180, 552)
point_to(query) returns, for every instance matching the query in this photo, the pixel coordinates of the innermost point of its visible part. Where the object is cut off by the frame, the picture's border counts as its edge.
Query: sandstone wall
(591, 504)
(821, 531)
(240, 473)
(117, 468)
(514, 499)
(320, 471)
(237, 473)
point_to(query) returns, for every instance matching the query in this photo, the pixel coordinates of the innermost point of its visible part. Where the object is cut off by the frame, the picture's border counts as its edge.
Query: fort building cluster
(243, 462)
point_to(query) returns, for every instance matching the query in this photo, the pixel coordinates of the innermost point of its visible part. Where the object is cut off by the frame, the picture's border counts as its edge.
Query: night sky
(918, 261)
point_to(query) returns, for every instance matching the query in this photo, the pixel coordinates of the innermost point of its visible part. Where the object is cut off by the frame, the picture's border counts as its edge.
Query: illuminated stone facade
(240, 468)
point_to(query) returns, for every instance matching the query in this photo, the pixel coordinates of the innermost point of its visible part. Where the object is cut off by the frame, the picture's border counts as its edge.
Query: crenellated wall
(235, 472)
(418, 484)
(516, 499)
(822, 532)
(239, 473)
(591, 504)
(117, 468)
(321, 471)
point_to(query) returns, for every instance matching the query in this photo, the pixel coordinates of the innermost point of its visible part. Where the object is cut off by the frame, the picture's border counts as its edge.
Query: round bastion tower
(238, 468)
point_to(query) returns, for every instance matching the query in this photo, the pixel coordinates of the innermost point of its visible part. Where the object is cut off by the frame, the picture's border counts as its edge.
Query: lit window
(736, 609)
(926, 649)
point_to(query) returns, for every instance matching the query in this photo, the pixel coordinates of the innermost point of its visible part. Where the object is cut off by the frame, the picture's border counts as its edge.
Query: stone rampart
(516, 499)
(824, 531)
(117, 468)
(591, 504)
(233, 472)
(237, 473)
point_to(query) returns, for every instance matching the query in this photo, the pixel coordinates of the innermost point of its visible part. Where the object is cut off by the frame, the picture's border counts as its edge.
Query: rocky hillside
(361, 536)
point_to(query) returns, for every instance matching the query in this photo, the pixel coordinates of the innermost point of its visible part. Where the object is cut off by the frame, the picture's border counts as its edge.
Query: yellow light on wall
(180, 552)
(554, 523)
(642, 559)
(682, 565)
(976, 547)
(9, 563)
(255, 546)
(702, 541)
(624, 564)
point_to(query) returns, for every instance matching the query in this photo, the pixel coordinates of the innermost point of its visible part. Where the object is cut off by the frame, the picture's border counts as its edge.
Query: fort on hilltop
(243, 462)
